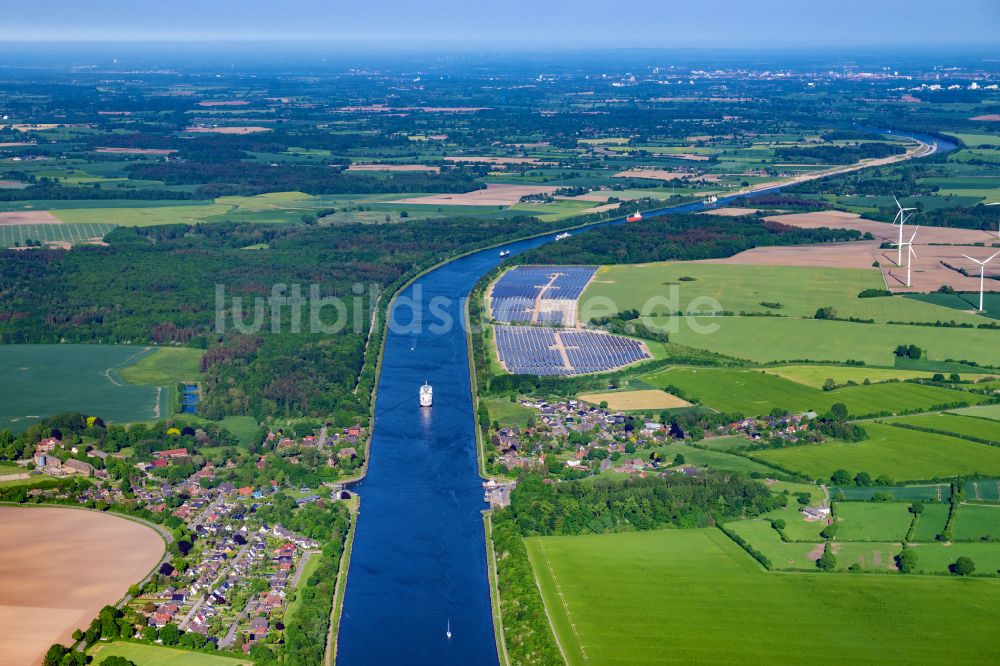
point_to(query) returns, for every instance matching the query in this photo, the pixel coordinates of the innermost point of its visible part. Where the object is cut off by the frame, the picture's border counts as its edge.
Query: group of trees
(837, 154)
(678, 238)
(158, 285)
(634, 504)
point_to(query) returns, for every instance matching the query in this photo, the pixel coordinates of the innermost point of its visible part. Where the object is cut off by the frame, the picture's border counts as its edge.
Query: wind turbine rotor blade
(913, 253)
(897, 202)
(991, 258)
(976, 260)
(914, 234)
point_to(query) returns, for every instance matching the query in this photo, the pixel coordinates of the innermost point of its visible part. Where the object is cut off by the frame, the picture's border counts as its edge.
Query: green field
(797, 528)
(775, 339)
(816, 375)
(935, 557)
(976, 140)
(977, 522)
(931, 522)
(716, 460)
(756, 392)
(693, 596)
(141, 216)
(155, 655)
(984, 412)
(42, 380)
(901, 454)
(872, 521)
(799, 290)
(984, 429)
(166, 365)
(507, 412)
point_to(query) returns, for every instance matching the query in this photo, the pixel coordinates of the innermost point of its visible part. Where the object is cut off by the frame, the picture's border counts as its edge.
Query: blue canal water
(419, 558)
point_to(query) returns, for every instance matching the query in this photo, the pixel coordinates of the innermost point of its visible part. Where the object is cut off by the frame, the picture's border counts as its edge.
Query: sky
(520, 24)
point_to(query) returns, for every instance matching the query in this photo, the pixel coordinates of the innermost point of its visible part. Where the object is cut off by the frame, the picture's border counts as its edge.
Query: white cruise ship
(426, 395)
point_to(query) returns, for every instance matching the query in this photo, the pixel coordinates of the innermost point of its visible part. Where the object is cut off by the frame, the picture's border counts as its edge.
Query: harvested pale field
(933, 245)
(651, 174)
(15, 144)
(477, 159)
(731, 212)
(989, 117)
(631, 400)
(58, 568)
(493, 195)
(242, 129)
(600, 196)
(136, 151)
(842, 220)
(33, 127)
(860, 254)
(393, 167)
(228, 102)
(28, 217)
(599, 209)
(689, 156)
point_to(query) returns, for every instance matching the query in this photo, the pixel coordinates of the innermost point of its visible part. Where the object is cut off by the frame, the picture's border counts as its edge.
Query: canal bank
(417, 563)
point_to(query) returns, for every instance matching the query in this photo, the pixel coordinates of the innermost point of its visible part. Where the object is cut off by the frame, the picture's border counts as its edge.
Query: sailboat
(448, 633)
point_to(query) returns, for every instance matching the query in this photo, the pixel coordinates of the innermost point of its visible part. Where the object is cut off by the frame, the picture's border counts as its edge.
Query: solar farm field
(525, 293)
(42, 380)
(791, 291)
(901, 454)
(546, 351)
(776, 339)
(617, 597)
(757, 392)
(14, 235)
(872, 521)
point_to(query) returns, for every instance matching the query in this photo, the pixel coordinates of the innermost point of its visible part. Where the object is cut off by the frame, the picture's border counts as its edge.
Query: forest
(605, 505)
(157, 285)
(678, 238)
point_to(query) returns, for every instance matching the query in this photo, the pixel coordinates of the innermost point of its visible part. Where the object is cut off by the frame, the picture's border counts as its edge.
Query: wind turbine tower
(982, 270)
(910, 254)
(900, 220)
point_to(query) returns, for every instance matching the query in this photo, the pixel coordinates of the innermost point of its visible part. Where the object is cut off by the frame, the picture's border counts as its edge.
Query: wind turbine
(901, 216)
(982, 270)
(910, 253)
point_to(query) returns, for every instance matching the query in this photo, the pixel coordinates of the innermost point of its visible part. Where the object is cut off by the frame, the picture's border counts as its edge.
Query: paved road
(225, 572)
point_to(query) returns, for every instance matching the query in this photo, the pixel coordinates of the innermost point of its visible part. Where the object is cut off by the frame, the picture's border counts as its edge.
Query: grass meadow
(901, 454)
(985, 429)
(872, 521)
(156, 655)
(166, 365)
(42, 380)
(931, 522)
(693, 596)
(776, 339)
(816, 375)
(976, 522)
(756, 392)
(798, 290)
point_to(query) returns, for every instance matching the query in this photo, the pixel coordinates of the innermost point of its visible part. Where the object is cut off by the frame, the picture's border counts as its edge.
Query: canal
(419, 558)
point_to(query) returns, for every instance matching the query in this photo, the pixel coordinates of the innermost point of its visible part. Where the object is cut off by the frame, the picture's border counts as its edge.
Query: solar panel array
(527, 350)
(532, 350)
(514, 295)
(595, 352)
